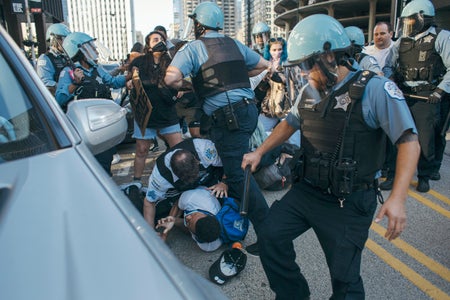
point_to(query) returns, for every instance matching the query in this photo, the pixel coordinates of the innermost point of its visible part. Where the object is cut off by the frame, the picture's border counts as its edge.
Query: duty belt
(218, 115)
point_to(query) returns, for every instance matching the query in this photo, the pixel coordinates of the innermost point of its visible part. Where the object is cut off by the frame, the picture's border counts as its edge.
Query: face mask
(160, 47)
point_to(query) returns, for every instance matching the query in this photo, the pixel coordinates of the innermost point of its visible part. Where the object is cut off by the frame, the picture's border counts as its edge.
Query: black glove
(436, 96)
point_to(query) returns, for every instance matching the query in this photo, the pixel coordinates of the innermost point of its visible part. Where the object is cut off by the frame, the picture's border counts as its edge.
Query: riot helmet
(417, 16)
(319, 40)
(356, 36)
(80, 45)
(56, 34)
(207, 15)
(260, 36)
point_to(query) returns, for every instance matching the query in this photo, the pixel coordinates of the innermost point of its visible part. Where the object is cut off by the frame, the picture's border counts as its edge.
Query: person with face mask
(344, 116)
(419, 62)
(163, 119)
(220, 68)
(275, 105)
(85, 78)
(51, 63)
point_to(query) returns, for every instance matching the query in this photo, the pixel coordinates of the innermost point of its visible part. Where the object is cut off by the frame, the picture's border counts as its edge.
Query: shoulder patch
(392, 89)
(42, 62)
(211, 153)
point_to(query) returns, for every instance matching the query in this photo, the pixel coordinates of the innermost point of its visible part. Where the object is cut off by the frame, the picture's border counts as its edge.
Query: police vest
(92, 88)
(224, 70)
(419, 61)
(207, 176)
(58, 62)
(322, 127)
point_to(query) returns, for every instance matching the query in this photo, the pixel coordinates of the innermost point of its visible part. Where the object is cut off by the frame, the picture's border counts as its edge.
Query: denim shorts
(150, 133)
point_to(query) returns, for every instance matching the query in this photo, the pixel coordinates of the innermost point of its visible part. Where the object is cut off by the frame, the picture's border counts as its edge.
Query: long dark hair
(155, 71)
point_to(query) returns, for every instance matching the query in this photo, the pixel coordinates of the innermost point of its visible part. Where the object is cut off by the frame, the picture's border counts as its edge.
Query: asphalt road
(415, 266)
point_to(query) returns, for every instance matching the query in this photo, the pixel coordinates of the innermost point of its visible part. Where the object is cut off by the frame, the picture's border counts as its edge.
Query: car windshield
(22, 133)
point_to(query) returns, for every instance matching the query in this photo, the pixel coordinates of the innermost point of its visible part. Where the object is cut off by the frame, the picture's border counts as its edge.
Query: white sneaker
(116, 159)
(126, 185)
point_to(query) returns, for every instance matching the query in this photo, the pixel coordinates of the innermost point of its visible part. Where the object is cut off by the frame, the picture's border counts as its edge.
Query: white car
(66, 230)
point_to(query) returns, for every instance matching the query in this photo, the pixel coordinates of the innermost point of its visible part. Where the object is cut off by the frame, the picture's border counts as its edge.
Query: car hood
(67, 232)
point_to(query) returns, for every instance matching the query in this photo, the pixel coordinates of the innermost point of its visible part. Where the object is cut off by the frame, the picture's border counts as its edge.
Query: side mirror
(101, 123)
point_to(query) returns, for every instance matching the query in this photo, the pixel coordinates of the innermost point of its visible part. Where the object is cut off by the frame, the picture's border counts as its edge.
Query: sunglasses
(278, 39)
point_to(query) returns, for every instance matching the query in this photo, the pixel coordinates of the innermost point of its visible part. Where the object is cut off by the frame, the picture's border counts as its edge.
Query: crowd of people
(352, 112)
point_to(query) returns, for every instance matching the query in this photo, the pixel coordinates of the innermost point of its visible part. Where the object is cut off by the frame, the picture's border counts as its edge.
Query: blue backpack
(233, 226)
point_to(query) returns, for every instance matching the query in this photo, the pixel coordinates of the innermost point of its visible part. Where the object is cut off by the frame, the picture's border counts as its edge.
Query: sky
(148, 15)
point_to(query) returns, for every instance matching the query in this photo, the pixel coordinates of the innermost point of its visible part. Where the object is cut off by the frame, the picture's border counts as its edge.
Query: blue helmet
(417, 16)
(74, 41)
(356, 35)
(424, 7)
(209, 15)
(57, 29)
(260, 27)
(316, 34)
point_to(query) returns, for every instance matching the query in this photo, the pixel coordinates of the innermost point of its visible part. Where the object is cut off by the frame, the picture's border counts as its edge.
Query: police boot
(423, 186)
(387, 184)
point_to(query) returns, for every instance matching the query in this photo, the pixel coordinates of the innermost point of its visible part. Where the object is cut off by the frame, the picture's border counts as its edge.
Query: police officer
(50, 64)
(343, 116)
(365, 61)
(86, 79)
(419, 62)
(260, 37)
(185, 166)
(220, 68)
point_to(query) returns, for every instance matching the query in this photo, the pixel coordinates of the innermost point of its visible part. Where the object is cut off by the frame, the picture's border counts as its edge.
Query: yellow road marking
(423, 284)
(416, 254)
(430, 204)
(435, 194)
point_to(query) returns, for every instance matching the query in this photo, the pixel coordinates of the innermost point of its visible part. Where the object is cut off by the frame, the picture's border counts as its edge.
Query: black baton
(244, 200)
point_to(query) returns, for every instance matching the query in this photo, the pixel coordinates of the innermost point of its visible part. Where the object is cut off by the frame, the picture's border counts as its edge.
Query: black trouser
(426, 117)
(391, 159)
(342, 233)
(105, 159)
(231, 147)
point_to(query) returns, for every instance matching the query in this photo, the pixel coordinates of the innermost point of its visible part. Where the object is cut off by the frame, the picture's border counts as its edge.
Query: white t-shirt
(379, 54)
(201, 198)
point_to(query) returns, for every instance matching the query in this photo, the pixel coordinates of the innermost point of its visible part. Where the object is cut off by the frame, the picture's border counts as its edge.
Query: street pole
(30, 35)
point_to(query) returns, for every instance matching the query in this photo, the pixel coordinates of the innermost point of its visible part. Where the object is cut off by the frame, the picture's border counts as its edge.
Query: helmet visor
(95, 52)
(409, 26)
(296, 78)
(261, 38)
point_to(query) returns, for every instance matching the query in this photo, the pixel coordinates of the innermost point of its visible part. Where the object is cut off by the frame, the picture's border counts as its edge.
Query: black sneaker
(155, 146)
(423, 186)
(253, 249)
(435, 176)
(387, 184)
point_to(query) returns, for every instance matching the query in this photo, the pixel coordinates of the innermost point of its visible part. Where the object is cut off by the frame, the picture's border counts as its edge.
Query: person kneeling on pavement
(195, 213)
(185, 166)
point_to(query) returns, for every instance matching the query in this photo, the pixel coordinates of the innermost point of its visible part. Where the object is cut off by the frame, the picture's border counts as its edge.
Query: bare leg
(142, 147)
(173, 138)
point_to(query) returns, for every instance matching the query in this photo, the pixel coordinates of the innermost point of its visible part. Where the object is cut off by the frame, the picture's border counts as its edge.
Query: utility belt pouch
(230, 118)
(316, 172)
(342, 176)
